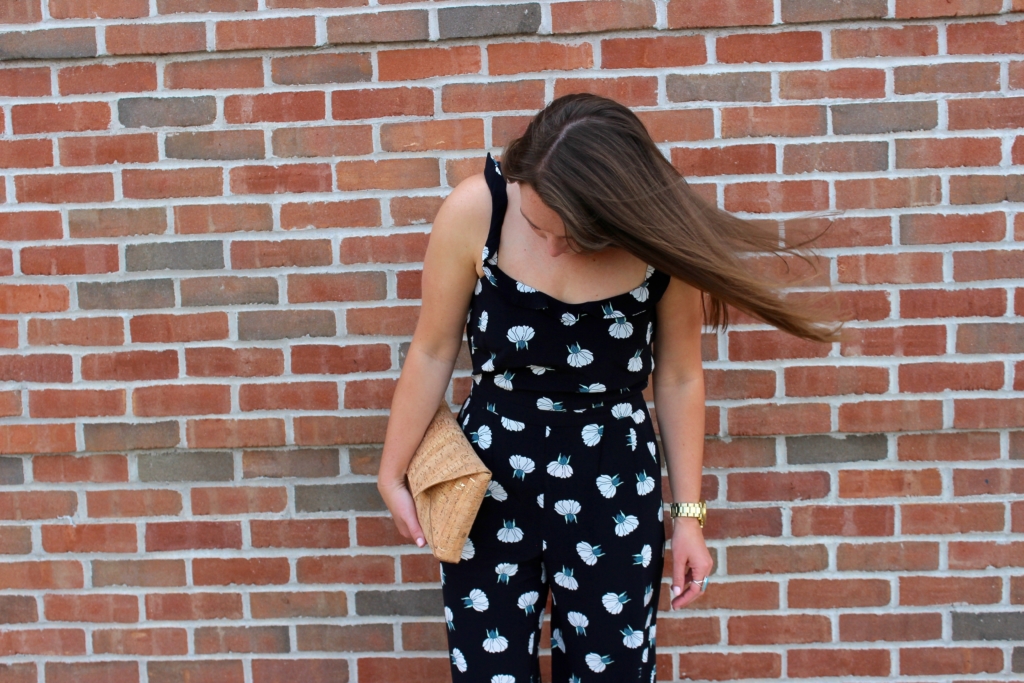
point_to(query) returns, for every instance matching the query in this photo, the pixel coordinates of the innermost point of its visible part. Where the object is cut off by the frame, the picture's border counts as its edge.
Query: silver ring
(704, 584)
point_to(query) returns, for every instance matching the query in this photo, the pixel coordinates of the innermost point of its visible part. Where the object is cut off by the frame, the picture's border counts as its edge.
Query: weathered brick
(407, 602)
(182, 255)
(214, 218)
(12, 471)
(378, 27)
(797, 11)
(298, 462)
(345, 638)
(116, 222)
(248, 34)
(307, 669)
(344, 67)
(337, 497)
(884, 117)
(488, 20)
(221, 145)
(130, 436)
(132, 294)
(185, 466)
(60, 43)
(806, 450)
(228, 290)
(157, 112)
(266, 325)
(158, 38)
(213, 74)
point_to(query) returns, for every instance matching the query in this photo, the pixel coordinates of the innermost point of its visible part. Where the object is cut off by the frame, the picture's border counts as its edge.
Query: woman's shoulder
(462, 222)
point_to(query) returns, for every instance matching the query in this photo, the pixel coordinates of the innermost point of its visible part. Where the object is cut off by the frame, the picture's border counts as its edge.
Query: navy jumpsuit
(575, 502)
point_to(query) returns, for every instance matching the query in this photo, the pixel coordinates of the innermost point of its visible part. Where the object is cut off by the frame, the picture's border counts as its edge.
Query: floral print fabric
(574, 507)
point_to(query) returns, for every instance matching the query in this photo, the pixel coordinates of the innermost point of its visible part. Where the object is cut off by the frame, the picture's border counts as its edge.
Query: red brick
(835, 83)
(210, 361)
(836, 380)
(243, 571)
(601, 15)
(278, 605)
(266, 33)
(27, 119)
(155, 39)
(981, 38)
(981, 113)
(790, 46)
(163, 328)
(108, 149)
(214, 74)
(889, 483)
(388, 174)
(775, 486)
(887, 557)
(136, 503)
(727, 160)
(25, 82)
(151, 573)
(951, 228)
(346, 569)
(181, 399)
(776, 559)
(918, 9)
(742, 523)
(650, 53)
(631, 91)
(98, 608)
(381, 102)
(376, 27)
(888, 193)
(768, 197)
(357, 213)
(21, 12)
(789, 121)
(76, 402)
(65, 188)
(76, 331)
(956, 78)
(948, 446)
(163, 536)
(193, 606)
(988, 413)
(292, 396)
(418, 136)
(277, 107)
(932, 303)
(819, 662)
(141, 641)
(390, 320)
(769, 345)
(952, 518)
(48, 438)
(369, 393)
(338, 360)
(214, 639)
(411, 64)
(57, 468)
(936, 661)
(892, 627)
(69, 259)
(171, 183)
(707, 13)
(318, 141)
(934, 377)
(972, 482)
(26, 154)
(43, 574)
(719, 666)
(843, 520)
(832, 593)
(947, 590)
(288, 178)
(53, 641)
(223, 433)
(89, 538)
(216, 218)
(234, 500)
(838, 157)
(985, 554)
(513, 58)
(91, 78)
(30, 225)
(24, 505)
(116, 222)
(331, 430)
(103, 9)
(770, 630)
(304, 533)
(951, 152)
(36, 367)
(904, 41)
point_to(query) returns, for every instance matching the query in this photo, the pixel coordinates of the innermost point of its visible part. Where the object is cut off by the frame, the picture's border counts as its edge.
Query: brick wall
(213, 217)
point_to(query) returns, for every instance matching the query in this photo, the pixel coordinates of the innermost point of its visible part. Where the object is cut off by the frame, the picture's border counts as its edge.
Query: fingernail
(676, 591)
(419, 542)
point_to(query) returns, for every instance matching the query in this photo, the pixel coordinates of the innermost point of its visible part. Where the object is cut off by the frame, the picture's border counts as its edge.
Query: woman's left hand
(691, 561)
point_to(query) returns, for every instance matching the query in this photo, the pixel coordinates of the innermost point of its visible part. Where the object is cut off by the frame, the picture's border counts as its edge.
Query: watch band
(698, 510)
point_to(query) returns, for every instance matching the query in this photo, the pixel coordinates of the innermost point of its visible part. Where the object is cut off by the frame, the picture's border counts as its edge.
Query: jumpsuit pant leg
(575, 507)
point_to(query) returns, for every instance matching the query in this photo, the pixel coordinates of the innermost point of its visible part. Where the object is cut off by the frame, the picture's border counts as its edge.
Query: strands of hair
(592, 160)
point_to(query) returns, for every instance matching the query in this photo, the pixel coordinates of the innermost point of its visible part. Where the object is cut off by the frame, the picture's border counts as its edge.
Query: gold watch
(698, 510)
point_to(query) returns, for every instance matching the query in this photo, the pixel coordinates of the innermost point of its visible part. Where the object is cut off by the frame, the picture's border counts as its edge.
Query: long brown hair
(592, 161)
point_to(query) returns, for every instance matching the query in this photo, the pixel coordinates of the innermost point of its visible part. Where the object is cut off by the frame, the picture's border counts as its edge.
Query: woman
(563, 263)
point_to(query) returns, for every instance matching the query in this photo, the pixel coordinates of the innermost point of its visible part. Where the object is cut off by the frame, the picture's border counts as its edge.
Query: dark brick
(127, 436)
(225, 291)
(990, 338)
(17, 609)
(345, 638)
(364, 459)
(61, 43)
(731, 87)
(337, 497)
(270, 670)
(198, 671)
(1018, 660)
(220, 145)
(414, 603)
(344, 67)
(12, 471)
(299, 462)
(988, 625)
(488, 20)
(154, 112)
(213, 639)
(884, 117)
(184, 255)
(116, 222)
(796, 11)
(810, 450)
(379, 27)
(186, 466)
(263, 325)
(112, 296)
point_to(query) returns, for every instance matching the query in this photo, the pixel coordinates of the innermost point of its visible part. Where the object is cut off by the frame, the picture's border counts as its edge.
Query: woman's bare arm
(679, 404)
(449, 276)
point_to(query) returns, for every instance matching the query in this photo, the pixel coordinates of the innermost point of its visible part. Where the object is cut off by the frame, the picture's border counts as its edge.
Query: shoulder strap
(499, 201)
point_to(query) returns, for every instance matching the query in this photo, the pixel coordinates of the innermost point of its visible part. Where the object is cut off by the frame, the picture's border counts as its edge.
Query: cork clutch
(448, 481)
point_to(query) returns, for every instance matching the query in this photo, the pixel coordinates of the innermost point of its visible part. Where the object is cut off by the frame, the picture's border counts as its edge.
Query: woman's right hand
(400, 502)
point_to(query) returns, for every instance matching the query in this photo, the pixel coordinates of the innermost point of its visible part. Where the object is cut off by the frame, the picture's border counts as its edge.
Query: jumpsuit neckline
(535, 298)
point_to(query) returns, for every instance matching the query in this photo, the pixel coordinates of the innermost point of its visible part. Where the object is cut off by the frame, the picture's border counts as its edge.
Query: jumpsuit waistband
(555, 407)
